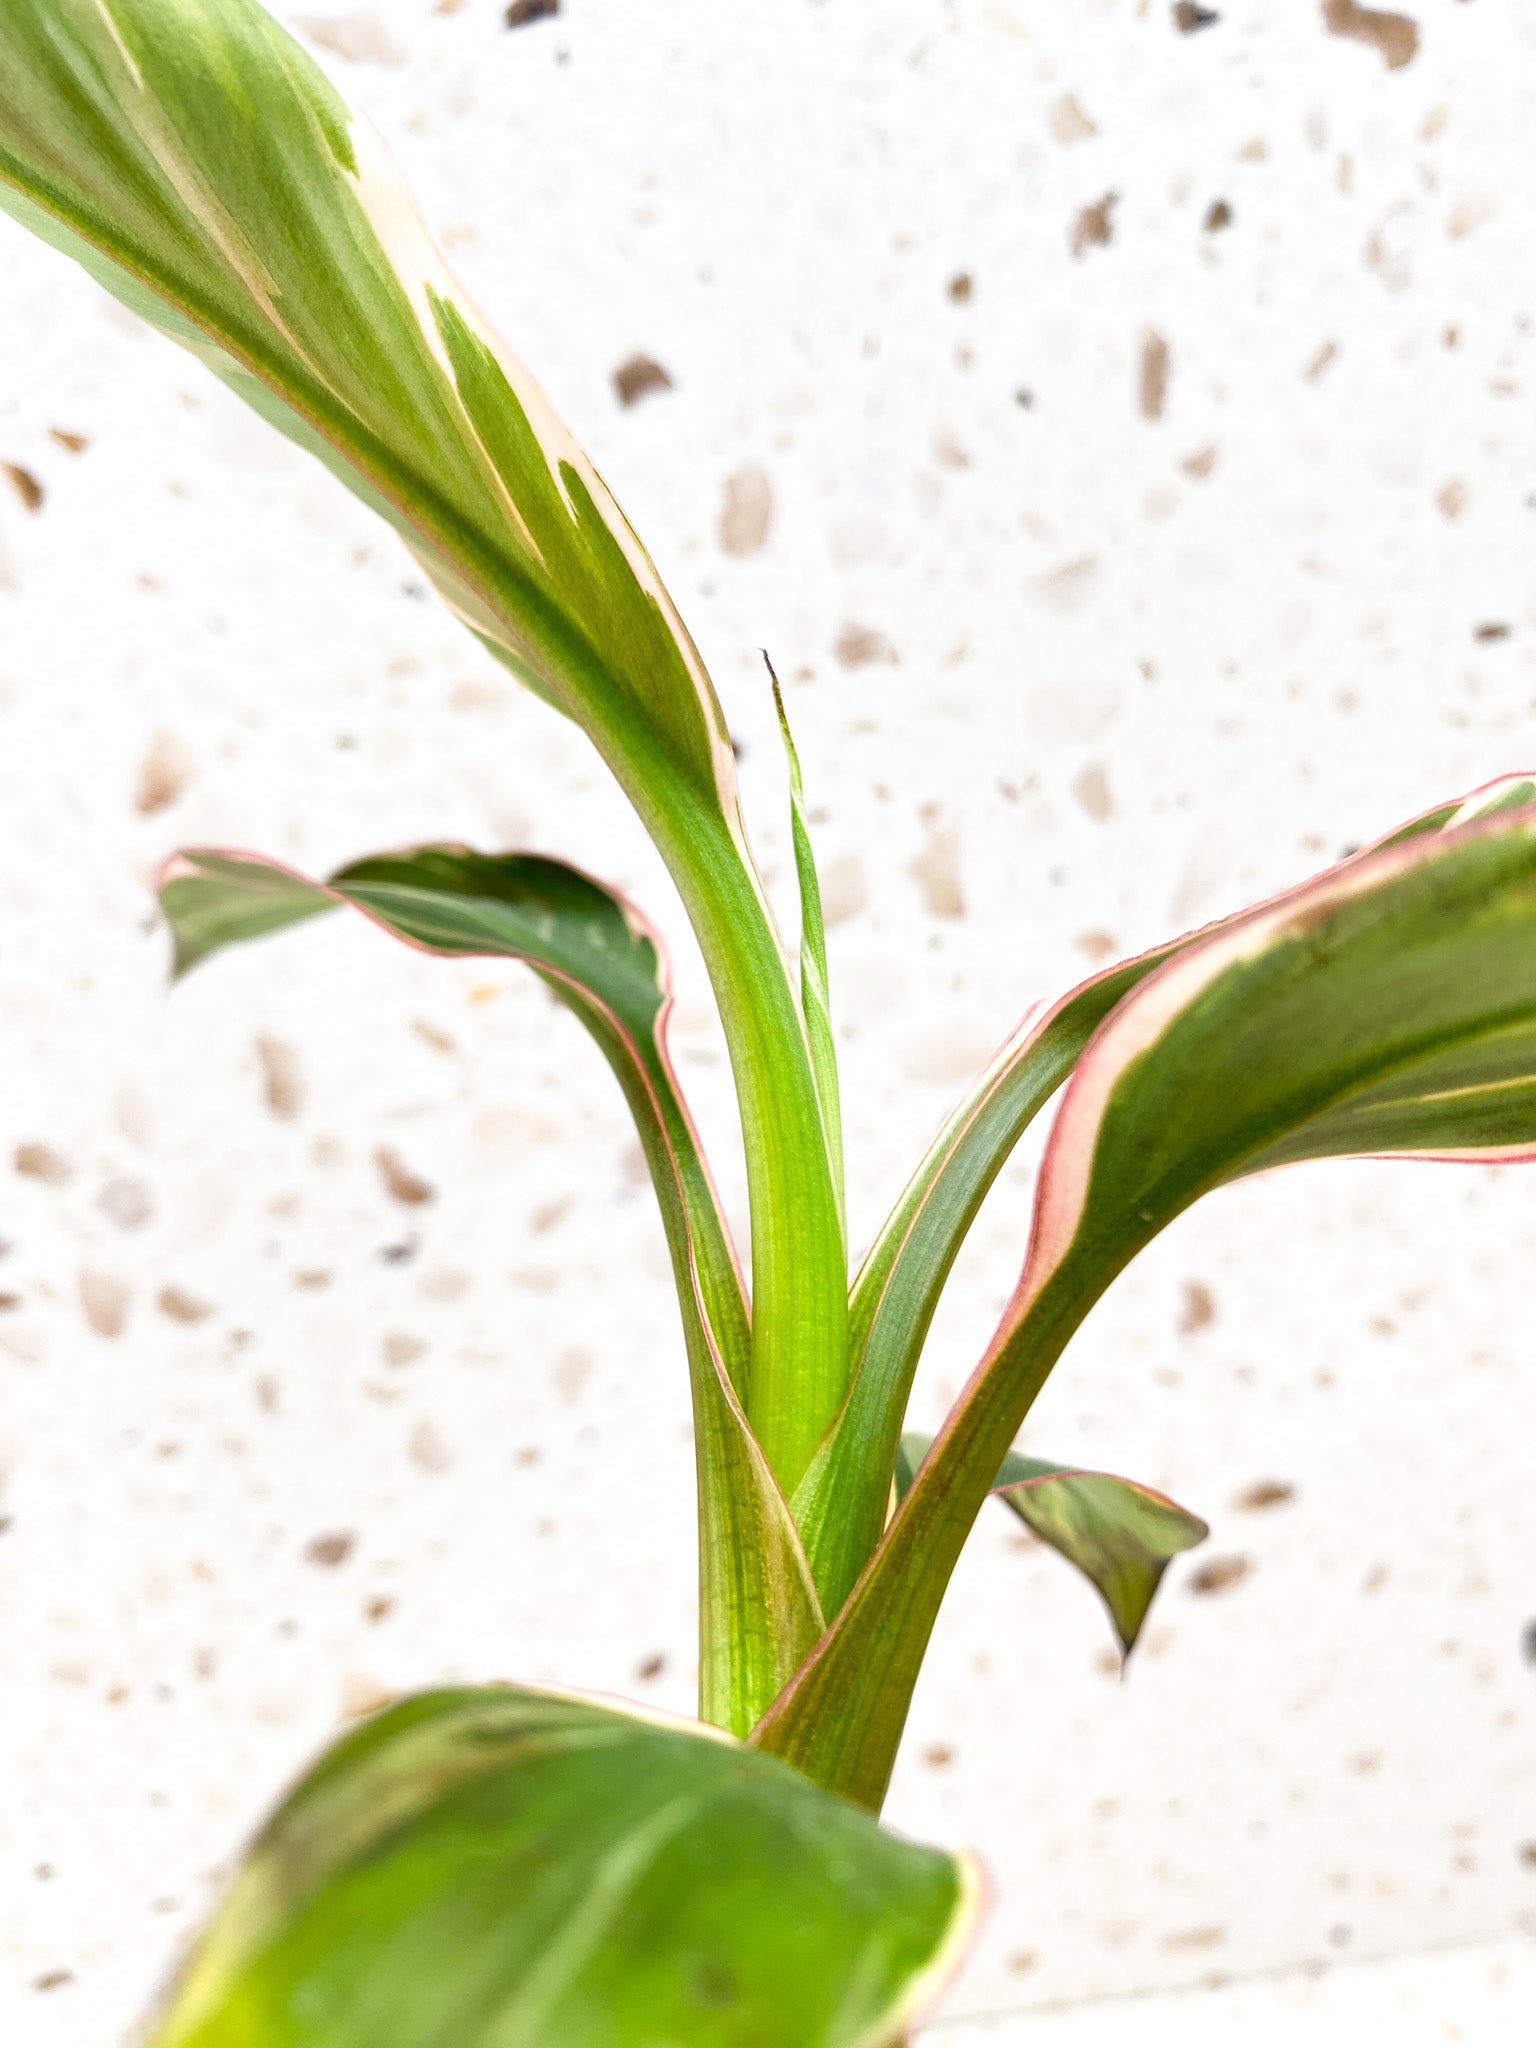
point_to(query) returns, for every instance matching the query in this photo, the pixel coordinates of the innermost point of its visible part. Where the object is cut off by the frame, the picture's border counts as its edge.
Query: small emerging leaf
(815, 994)
(498, 1868)
(1121, 1535)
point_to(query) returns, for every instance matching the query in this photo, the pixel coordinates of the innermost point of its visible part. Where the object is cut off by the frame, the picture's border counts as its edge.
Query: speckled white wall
(1122, 438)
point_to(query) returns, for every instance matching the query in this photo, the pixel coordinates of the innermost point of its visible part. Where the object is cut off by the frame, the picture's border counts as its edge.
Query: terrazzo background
(1064, 676)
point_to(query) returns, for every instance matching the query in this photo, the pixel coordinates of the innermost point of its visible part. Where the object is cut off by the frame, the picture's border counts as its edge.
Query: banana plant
(498, 1864)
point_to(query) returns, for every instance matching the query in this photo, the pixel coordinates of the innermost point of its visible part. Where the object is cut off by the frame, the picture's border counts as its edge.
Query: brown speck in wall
(399, 1182)
(1264, 1493)
(936, 870)
(1094, 227)
(1069, 123)
(961, 287)
(1527, 1855)
(638, 377)
(332, 1549)
(1220, 1575)
(432, 1034)
(41, 1162)
(427, 1448)
(400, 1348)
(1396, 36)
(1096, 945)
(164, 773)
(75, 443)
(1187, 17)
(1091, 788)
(1200, 464)
(1196, 1937)
(747, 511)
(1452, 498)
(126, 1202)
(938, 1756)
(521, 12)
(651, 1667)
(1218, 215)
(182, 1307)
(25, 485)
(1199, 1309)
(379, 1608)
(1320, 361)
(1491, 631)
(281, 1084)
(51, 1980)
(862, 646)
(104, 1299)
(1152, 375)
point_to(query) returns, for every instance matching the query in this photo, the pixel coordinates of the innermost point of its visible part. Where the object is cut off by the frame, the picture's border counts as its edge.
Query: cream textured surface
(1065, 677)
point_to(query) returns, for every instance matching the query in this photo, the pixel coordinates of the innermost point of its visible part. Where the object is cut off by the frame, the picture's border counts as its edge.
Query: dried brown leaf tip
(1395, 35)
(521, 12)
(399, 1181)
(1187, 17)
(1094, 227)
(25, 485)
(638, 378)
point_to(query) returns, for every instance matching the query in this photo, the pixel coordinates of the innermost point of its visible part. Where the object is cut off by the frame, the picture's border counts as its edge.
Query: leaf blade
(758, 1607)
(491, 1865)
(1122, 1536)
(199, 165)
(1453, 906)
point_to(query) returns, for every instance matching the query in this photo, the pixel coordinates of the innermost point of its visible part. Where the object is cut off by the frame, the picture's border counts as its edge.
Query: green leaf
(840, 1515)
(500, 1868)
(815, 997)
(1387, 1008)
(840, 1504)
(197, 163)
(1122, 1536)
(758, 1609)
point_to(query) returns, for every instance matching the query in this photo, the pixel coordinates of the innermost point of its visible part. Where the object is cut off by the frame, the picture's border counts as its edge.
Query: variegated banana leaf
(900, 1282)
(1122, 1536)
(204, 170)
(758, 1610)
(498, 1868)
(1387, 1008)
